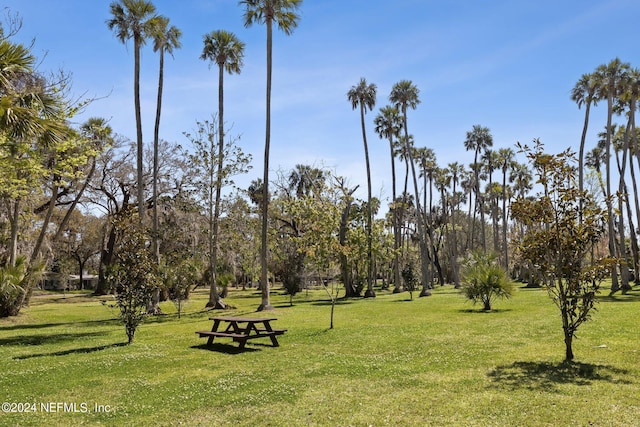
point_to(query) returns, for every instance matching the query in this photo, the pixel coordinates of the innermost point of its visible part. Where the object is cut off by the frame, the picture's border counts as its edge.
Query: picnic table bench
(241, 329)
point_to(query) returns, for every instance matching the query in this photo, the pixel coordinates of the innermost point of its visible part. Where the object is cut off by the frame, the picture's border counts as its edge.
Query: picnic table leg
(274, 340)
(214, 328)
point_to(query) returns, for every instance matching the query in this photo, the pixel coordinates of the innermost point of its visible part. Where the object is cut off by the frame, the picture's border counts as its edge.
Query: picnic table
(241, 329)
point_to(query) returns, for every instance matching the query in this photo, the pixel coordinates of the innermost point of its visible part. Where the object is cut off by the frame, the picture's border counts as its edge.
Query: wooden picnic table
(241, 329)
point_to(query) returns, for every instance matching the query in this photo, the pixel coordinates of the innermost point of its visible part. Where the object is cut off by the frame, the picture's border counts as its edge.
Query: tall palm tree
(609, 77)
(134, 19)
(165, 39)
(455, 170)
(363, 96)
(426, 159)
(283, 14)
(584, 93)
(506, 158)
(478, 140)
(226, 51)
(404, 94)
(490, 162)
(388, 125)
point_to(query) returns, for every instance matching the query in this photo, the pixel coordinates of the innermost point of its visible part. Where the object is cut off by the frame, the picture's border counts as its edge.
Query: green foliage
(177, 280)
(134, 275)
(563, 224)
(484, 280)
(11, 291)
(410, 279)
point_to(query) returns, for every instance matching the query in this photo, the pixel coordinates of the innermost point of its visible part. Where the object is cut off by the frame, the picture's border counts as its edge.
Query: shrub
(484, 280)
(134, 275)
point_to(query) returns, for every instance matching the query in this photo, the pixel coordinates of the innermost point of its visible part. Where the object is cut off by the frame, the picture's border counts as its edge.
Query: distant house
(52, 281)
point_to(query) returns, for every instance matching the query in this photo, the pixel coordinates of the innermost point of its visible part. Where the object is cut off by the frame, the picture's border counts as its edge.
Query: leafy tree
(363, 96)
(208, 173)
(484, 280)
(134, 19)
(283, 14)
(410, 280)
(134, 275)
(561, 232)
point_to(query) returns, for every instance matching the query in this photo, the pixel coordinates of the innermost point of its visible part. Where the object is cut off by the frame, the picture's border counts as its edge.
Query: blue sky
(505, 64)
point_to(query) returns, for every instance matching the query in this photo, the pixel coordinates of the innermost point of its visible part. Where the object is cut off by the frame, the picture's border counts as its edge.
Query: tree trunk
(369, 293)
(568, 342)
(215, 300)
(397, 281)
(136, 95)
(265, 305)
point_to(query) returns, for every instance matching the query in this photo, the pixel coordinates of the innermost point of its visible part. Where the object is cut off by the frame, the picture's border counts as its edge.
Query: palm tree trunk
(14, 219)
(136, 95)
(624, 267)
(370, 293)
(264, 281)
(581, 153)
(419, 216)
(214, 297)
(156, 136)
(615, 286)
(505, 249)
(396, 229)
(154, 305)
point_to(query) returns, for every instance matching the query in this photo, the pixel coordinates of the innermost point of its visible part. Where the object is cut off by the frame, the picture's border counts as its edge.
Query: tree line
(304, 225)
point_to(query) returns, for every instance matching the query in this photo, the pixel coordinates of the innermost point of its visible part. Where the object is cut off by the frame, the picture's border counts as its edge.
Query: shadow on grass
(328, 302)
(48, 338)
(482, 311)
(224, 348)
(547, 376)
(630, 296)
(88, 323)
(72, 351)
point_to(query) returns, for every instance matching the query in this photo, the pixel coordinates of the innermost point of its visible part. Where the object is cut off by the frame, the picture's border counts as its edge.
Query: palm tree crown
(282, 12)
(224, 49)
(132, 19)
(405, 94)
(165, 38)
(363, 95)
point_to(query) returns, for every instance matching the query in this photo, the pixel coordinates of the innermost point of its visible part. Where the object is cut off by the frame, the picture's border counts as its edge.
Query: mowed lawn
(388, 362)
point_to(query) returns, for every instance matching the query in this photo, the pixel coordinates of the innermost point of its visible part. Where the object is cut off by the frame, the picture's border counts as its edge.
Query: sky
(508, 65)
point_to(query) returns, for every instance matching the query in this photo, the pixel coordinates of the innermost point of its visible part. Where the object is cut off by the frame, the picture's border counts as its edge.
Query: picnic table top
(243, 319)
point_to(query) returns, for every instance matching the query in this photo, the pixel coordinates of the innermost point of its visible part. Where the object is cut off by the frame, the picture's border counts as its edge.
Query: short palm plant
(11, 290)
(484, 280)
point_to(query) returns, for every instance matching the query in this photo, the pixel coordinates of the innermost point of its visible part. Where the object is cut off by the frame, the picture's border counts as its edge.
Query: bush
(484, 280)
(134, 275)
(11, 292)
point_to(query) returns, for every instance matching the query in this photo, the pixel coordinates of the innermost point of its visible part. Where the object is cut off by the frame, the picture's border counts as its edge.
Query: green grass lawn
(388, 362)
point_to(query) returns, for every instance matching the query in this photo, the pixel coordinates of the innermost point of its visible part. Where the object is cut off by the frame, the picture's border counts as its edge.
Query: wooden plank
(273, 331)
(220, 334)
(243, 319)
